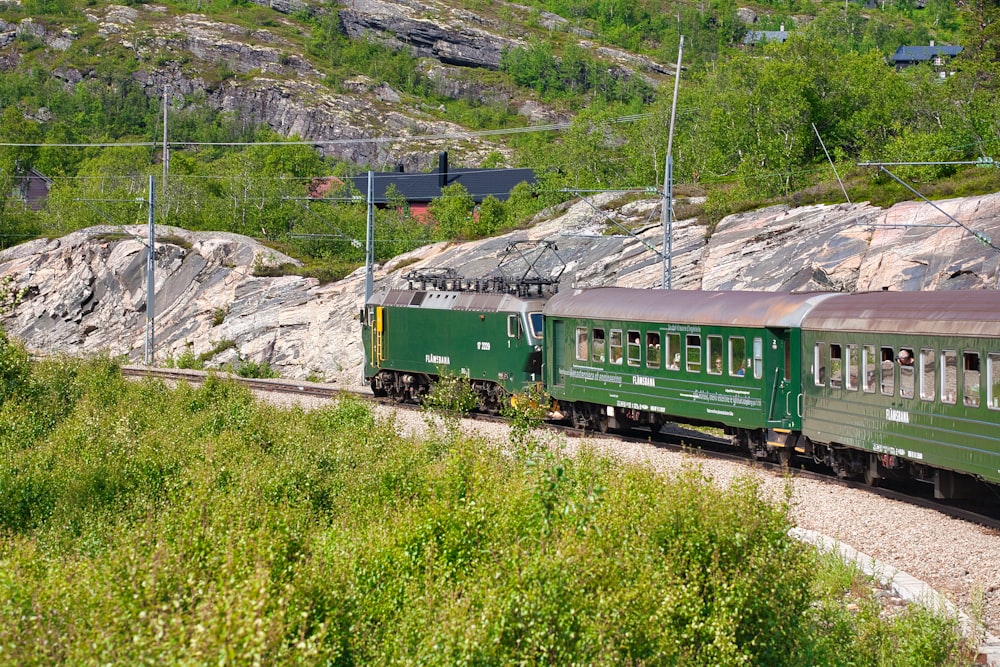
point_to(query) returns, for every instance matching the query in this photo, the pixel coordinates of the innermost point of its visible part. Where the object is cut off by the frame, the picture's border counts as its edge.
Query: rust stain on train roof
(752, 309)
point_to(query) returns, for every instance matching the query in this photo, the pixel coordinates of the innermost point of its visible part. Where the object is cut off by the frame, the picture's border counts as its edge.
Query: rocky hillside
(86, 292)
(265, 76)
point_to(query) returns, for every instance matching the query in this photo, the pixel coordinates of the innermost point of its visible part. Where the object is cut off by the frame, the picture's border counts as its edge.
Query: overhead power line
(334, 142)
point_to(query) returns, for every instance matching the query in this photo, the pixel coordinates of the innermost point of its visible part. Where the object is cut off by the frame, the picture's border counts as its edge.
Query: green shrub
(150, 525)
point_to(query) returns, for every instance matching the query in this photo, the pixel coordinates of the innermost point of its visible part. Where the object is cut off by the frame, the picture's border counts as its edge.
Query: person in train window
(905, 359)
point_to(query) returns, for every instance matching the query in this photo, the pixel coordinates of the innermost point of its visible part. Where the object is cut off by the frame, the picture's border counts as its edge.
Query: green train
(875, 385)
(493, 338)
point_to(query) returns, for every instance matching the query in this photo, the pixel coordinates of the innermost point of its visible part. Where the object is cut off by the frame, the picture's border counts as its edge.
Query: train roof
(946, 313)
(751, 309)
(488, 302)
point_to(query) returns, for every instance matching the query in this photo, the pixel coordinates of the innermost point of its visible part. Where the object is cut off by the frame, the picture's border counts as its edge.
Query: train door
(558, 352)
(782, 394)
(378, 329)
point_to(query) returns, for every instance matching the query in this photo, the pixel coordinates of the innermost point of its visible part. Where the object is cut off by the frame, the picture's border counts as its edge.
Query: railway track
(675, 438)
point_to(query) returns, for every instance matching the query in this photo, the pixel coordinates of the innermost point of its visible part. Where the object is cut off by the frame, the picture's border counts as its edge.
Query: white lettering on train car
(437, 359)
(879, 448)
(483, 345)
(900, 416)
(643, 381)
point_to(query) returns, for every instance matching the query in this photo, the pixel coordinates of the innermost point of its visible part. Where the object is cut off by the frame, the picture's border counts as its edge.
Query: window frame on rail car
(737, 356)
(537, 324)
(633, 350)
(851, 378)
(616, 351)
(758, 357)
(582, 344)
(928, 374)
(598, 345)
(514, 327)
(993, 380)
(653, 356)
(673, 356)
(819, 363)
(949, 383)
(692, 353)
(836, 368)
(714, 352)
(907, 374)
(971, 379)
(869, 369)
(887, 381)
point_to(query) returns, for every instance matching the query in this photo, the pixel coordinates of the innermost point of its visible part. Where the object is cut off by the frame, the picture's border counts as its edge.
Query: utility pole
(370, 238)
(667, 268)
(166, 148)
(150, 282)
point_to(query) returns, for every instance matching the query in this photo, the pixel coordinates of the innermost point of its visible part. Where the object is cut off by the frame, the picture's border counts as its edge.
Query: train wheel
(871, 474)
(784, 456)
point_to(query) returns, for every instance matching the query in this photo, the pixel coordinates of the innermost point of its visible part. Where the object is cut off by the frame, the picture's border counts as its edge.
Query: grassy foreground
(146, 525)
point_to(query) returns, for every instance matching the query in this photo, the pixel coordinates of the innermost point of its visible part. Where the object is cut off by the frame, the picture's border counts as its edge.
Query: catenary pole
(667, 266)
(150, 282)
(166, 147)
(370, 237)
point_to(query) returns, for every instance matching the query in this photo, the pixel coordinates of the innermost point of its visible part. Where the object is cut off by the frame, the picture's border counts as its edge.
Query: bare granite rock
(86, 292)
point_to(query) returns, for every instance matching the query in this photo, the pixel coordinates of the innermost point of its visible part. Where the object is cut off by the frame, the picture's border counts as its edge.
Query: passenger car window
(906, 378)
(949, 376)
(653, 350)
(673, 358)
(928, 377)
(737, 356)
(715, 355)
(819, 365)
(758, 358)
(615, 347)
(634, 350)
(693, 353)
(888, 369)
(582, 343)
(598, 354)
(970, 378)
(836, 366)
(869, 369)
(851, 378)
(993, 381)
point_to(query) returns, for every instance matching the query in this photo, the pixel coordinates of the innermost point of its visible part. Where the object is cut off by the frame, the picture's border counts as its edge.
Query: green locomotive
(492, 337)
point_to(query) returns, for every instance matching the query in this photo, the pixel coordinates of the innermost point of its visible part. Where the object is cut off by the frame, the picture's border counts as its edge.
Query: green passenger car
(905, 384)
(619, 357)
(411, 336)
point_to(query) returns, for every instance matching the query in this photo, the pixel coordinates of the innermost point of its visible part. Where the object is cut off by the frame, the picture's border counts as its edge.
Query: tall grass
(141, 524)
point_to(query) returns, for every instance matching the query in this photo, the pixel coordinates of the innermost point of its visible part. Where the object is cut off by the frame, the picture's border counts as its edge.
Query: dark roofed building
(420, 189)
(937, 56)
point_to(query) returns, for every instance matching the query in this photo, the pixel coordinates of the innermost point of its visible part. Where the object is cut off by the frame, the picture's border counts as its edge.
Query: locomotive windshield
(536, 324)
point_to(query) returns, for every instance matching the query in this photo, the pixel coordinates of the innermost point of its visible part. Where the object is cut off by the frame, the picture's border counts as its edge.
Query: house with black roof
(937, 56)
(420, 189)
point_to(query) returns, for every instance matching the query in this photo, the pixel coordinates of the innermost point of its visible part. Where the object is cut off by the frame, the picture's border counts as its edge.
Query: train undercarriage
(784, 446)
(404, 387)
